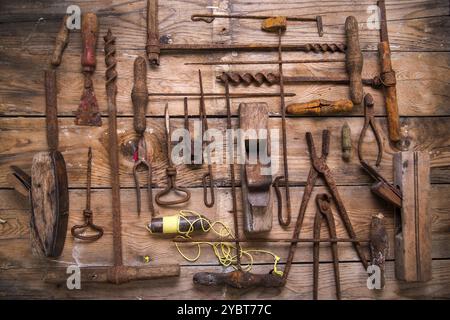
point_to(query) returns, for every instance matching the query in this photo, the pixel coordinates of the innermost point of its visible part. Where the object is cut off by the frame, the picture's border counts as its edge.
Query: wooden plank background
(419, 34)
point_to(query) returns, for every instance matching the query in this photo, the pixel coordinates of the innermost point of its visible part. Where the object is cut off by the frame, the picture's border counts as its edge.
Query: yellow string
(222, 250)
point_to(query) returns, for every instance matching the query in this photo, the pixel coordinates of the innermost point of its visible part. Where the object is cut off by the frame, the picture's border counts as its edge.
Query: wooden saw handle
(354, 60)
(139, 95)
(89, 35)
(390, 91)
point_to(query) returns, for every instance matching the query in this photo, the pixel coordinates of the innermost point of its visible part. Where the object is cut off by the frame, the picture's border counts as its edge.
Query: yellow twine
(222, 250)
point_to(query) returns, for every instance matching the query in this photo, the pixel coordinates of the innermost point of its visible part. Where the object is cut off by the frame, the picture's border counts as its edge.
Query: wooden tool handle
(89, 35)
(51, 109)
(62, 39)
(389, 81)
(139, 95)
(152, 48)
(320, 107)
(354, 60)
(116, 275)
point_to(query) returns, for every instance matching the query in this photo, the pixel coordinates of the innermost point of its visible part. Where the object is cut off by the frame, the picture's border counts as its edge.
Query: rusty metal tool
(119, 273)
(319, 167)
(220, 95)
(139, 97)
(369, 120)
(346, 137)
(234, 209)
(88, 112)
(209, 175)
(280, 240)
(323, 201)
(256, 62)
(382, 188)
(48, 184)
(171, 173)
(78, 230)
(388, 77)
(354, 64)
(379, 245)
(267, 24)
(320, 107)
(62, 39)
(193, 161)
(154, 47)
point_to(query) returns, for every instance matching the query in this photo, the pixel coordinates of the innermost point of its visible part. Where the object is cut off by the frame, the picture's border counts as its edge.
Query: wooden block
(256, 187)
(413, 220)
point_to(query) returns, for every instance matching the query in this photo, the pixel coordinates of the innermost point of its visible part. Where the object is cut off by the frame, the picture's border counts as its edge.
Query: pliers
(369, 120)
(141, 161)
(323, 201)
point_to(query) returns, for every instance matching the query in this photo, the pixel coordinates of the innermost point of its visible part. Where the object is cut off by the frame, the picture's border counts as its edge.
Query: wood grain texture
(419, 34)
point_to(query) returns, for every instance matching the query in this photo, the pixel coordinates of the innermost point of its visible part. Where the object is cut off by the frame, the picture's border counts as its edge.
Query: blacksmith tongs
(139, 97)
(171, 173)
(323, 201)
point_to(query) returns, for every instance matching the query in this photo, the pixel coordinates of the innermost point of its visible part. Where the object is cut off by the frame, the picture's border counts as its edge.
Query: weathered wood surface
(419, 35)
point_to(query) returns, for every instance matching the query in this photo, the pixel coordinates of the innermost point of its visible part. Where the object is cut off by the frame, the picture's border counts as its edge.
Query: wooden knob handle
(51, 109)
(354, 60)
(89, 35)
(139, 95)
(62, 39)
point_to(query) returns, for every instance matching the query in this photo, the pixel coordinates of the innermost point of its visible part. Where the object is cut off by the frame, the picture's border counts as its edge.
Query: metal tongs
(171, 173)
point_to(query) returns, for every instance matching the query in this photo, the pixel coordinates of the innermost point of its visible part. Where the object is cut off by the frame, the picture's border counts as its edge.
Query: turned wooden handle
(320, 107)
(139, 95)
(51, 109)
(354, 60)
(62, 39)
(152, 48)
(89, 35)
(390, 91)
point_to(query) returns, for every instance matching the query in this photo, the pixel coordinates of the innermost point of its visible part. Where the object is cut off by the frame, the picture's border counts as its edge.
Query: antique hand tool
(354, 64)
(256, 62)
(195, 160)
(48, 184)
(234, 209)
(346, 137)
(220, 95)
(369, 120)
(379, 245)
(78, 230)
(62, 39)
(139, 97)
(320, 107)
(154, 47)
(255, 183)
(388, 78)
(88, 113)
(209, 175)
(382, 188)
(319, 167)
(413, 220)
(270, 23)
(119, 273)
(239, 279)
(171, 173)
(324, 212)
